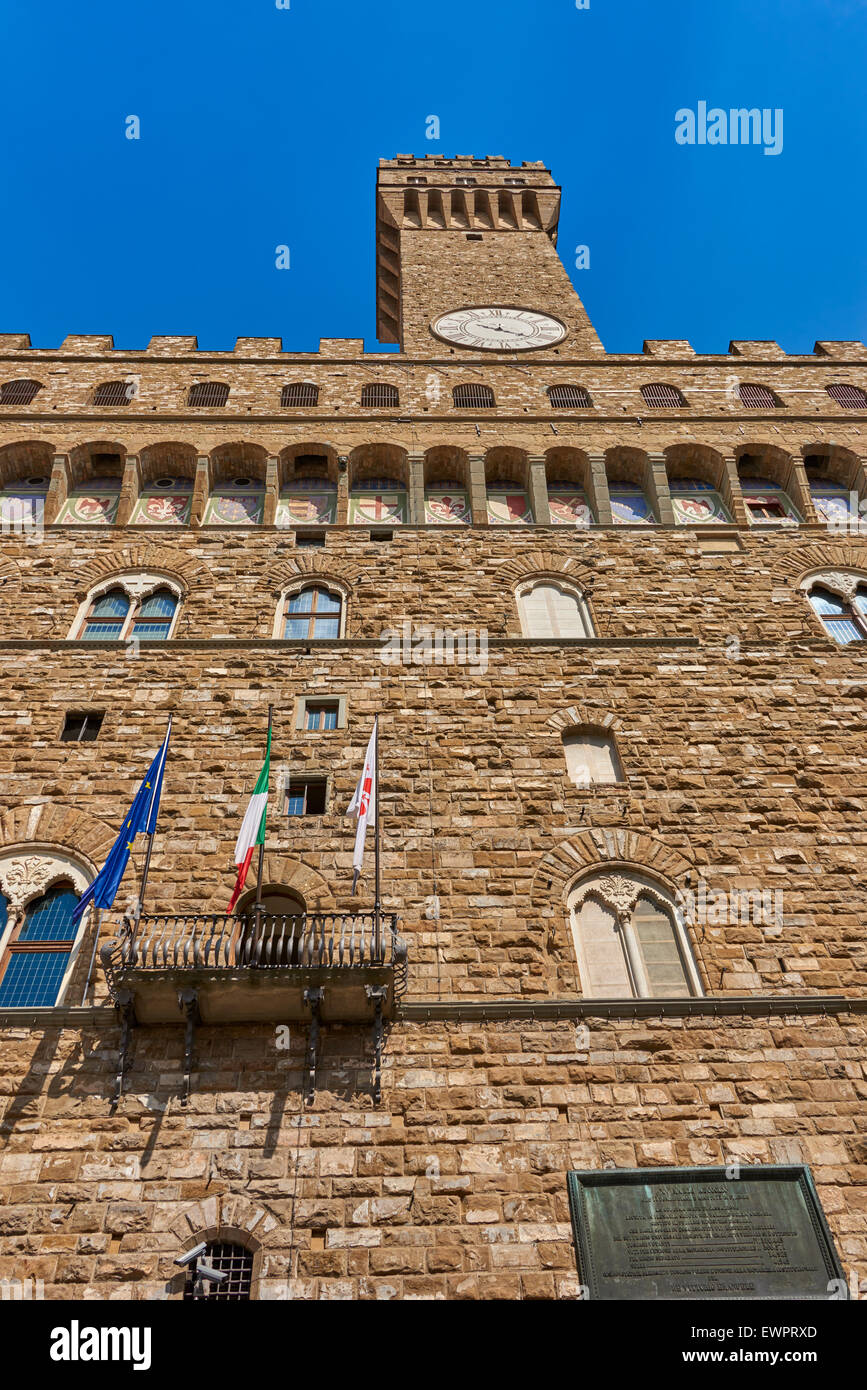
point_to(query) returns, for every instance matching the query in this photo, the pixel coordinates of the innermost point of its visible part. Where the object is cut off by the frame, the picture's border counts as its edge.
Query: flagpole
(261, 864)
(149, 850)
(377, 903)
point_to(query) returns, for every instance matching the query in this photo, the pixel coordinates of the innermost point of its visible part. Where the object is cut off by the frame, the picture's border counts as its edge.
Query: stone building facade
(610, 612)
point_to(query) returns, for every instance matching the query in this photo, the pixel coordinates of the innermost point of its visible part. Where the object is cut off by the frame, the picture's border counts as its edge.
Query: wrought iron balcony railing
(219, 941)
(258, 968)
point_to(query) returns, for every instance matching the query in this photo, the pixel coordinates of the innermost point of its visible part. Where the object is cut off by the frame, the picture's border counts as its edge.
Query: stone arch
(53, 825)
(185, 571)
(584, 717)
(284, 871)
(31, 456)
(594, 849)
(797, 565)
(255, 1221)
(303, 566)
(167, 458)
(542, 564)
(225, 1217)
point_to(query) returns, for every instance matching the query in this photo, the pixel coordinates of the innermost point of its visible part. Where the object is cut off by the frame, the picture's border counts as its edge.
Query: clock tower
(466, 261)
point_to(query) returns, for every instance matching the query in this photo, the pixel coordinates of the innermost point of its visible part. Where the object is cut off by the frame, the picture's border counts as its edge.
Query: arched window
(659, 396)
(38, 951)
(313, 613)
(591, 757)
(757, 397)
(850, 397)
(843, 613)
(380, 394)
(472, 396)
(114, 393)
(630, 940)
(569, 397)
(208, 393)
(228, 1258)
(19, 392)
(125, 612)
(299, 393)
(548, 608)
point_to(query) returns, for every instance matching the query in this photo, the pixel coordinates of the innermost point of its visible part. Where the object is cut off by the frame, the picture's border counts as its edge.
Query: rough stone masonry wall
(744, 764)
(453, 1187)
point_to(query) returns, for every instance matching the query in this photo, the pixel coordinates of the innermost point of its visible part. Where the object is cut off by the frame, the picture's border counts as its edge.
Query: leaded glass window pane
(32, 978)
(50, 917)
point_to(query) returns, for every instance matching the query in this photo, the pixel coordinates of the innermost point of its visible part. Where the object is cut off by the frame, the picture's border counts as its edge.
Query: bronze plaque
(682, 1233)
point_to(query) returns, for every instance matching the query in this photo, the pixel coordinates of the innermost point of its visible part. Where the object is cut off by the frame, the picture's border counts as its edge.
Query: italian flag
(252, 831)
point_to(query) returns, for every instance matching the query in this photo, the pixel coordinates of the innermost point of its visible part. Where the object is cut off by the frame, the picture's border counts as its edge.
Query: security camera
(215, 1275)
(192, 1255)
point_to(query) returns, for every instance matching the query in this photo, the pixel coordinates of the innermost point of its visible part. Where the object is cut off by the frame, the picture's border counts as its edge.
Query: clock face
(499, 329)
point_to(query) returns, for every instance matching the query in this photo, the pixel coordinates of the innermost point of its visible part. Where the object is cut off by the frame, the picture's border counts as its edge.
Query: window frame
(138, 588)
(85, 715)
(311, 582)
(650, 386)
(107, 386)
(745, 387)
(200, 386)
(485, 398)
(300, 387)
(21, 381)
(302, 704)
(567, 587)
(387, 389)
(846, 594)
(581, 391)
(572, 733)
(619, 891)
(28, 874)
(859, 395)
(305, 779)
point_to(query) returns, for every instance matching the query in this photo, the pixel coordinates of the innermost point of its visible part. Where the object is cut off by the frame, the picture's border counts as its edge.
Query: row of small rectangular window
(472, 396)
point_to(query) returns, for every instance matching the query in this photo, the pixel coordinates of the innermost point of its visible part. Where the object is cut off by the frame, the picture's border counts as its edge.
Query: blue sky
(262, 126)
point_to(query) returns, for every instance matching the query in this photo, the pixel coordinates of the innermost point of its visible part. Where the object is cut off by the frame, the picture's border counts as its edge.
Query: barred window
(19, 392)
(757, 397)
(569, 397)
(379, 395)
(473, 397)
(851, 397)
(299, 393)
(114, 393)
(208, 393)
(235, 1261)
(659, 396)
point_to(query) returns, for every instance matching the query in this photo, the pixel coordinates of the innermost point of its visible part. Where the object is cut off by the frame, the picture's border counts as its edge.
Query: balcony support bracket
(377, 994)
(188, 1001)
(125, 1003)
(313, 998)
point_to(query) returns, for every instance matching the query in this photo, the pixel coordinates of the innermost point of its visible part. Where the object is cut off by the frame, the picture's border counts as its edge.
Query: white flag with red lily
(252, 832)
(363, 804)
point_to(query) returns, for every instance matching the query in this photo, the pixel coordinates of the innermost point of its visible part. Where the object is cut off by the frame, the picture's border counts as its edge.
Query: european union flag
(142, 817)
